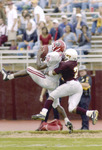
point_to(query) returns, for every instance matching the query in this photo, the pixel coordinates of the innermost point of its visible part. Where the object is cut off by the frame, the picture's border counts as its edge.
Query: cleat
(38, 117)
(69, 126)
(94, 117)
(5, 75)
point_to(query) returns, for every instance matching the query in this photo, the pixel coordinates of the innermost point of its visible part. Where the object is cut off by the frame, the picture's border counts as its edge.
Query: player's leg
(39, 78)
(54, 96)
(8, 76)
(73, 107)
(68, 124)
(93, 114)
(36, 75)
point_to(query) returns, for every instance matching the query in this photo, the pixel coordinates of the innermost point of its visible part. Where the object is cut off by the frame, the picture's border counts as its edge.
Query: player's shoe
(5, 75)
(38, 117)
(69, 126)
(94, 117)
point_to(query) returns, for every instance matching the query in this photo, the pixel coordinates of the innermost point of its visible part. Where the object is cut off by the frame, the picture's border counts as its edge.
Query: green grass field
(50, 141)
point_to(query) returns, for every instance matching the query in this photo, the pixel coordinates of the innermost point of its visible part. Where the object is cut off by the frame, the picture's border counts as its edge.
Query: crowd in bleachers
(25, 24)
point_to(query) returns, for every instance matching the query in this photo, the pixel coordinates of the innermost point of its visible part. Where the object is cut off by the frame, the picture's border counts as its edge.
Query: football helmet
(53, 58)
(58, 46)
(71, 54)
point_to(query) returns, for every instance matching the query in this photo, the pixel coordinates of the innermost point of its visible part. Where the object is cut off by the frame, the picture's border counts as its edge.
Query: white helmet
(71, 54)
(53, 58)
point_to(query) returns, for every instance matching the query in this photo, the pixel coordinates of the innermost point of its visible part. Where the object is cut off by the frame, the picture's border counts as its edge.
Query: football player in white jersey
(45, 81)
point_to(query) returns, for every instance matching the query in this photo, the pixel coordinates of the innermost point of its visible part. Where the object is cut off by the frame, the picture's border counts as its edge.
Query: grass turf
(50, 144)
(78, 140)
(48, 132)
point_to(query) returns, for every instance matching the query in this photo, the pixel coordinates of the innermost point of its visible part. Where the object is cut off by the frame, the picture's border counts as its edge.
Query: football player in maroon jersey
(72, 88)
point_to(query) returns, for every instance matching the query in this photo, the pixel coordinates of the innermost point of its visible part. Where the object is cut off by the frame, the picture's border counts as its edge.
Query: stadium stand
(94, 54)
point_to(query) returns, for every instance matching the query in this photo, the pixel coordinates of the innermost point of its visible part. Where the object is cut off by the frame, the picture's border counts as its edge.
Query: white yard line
(44, 145)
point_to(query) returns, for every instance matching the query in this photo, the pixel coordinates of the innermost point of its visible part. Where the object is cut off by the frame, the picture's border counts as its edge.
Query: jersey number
(75, 72)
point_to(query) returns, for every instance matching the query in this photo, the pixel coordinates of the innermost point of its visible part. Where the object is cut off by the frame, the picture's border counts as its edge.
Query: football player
(71, 88)
(48, 82)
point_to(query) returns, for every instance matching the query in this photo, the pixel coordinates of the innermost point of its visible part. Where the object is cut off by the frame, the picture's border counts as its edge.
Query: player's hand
(41, 98)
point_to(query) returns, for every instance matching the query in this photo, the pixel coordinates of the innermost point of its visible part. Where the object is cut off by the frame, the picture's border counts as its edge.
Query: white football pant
(49, 83)
(73, 89)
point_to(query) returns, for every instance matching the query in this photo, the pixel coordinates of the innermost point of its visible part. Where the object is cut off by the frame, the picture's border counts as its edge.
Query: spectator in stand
(22, 24)
(7, 7)
(29, 19)
(74, 16)
(12, 24)
(94, 24)
(65, 23)
(66, 5)
(23, 4)
(97, 22)
(69, 37)
(2, 12)
(45, 37)
(95, 4)
(39, 32)
(49, 23)
(99, 3)
(3, 32)
(43, 3)
(53, 3)
(83, 4)
(29, 38)
(39, 15)
(84, 41)
(39, 28)
(56, 32)
(78, 25)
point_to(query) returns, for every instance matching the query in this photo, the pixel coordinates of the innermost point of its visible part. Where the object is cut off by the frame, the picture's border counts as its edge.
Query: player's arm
(43, 91)
(40, 65)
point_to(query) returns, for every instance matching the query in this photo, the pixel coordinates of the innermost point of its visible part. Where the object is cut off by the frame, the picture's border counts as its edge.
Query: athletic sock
(10, 76)
(44, 112)
(48, 103)
(66, 120)
(81, 111)
(89, 113)
(47, 106)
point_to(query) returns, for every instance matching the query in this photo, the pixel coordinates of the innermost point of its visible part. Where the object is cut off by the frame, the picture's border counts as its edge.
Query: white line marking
(43, 145)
